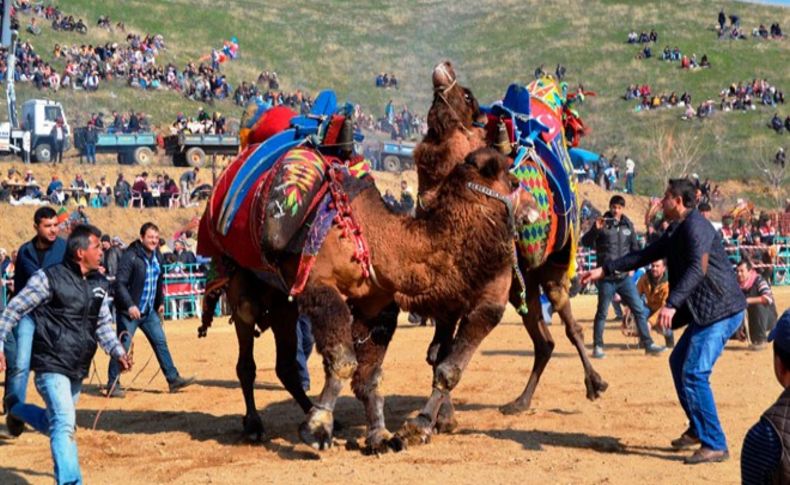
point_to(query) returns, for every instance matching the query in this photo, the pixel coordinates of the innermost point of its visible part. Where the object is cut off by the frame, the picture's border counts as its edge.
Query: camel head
(454, 106)
(485, 178)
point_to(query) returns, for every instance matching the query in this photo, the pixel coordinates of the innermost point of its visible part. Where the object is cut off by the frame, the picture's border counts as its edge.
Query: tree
(678, 153)
(774, 174)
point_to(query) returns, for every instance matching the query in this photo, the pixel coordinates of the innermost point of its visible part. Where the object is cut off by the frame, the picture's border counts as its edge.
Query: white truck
(33, 136)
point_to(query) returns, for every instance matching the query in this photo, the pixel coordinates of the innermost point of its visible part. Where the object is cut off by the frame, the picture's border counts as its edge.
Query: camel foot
(381, 441)
(446, 423)
(253, 427)
(595, 386)
(317, 430)
(515, 407)
(416, 431)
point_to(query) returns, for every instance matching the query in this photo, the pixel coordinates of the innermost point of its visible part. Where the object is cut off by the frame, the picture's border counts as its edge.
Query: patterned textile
(152, 271)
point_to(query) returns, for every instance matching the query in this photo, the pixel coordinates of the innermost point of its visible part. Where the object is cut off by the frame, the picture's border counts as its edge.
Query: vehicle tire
(143, 156)
(196, 157)
(391, 163)
(43, 153)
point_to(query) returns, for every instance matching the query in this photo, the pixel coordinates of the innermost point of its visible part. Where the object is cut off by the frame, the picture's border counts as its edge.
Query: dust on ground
(195, 436)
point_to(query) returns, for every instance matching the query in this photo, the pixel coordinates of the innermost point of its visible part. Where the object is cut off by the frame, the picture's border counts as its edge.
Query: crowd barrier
(183, 287)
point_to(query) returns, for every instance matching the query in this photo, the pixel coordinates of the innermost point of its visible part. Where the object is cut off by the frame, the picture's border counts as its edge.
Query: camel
(457, 256)
(455, 125)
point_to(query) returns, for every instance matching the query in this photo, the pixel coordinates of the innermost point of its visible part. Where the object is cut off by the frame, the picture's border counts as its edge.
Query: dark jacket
(777, 415)
(614, 240)
(110, 261)
(130, 279)
(65, 338)
(27, 261)
(702, 283)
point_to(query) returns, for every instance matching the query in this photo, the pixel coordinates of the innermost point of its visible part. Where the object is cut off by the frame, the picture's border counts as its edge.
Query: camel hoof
(381, 441)
(253, 427)
(513, 408)
(317, 430)
(416, 431)
(595, 386)
(446, 424)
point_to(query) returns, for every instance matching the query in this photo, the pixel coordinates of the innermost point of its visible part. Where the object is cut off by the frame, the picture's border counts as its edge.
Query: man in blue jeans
(45, 250)
(613, 236)
(304, 347)
(703, 294)
(139, 301)
(70, 305)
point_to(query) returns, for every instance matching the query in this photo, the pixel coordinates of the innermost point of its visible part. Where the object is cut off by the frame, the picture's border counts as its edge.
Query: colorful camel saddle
(288, 211)
(528, 124)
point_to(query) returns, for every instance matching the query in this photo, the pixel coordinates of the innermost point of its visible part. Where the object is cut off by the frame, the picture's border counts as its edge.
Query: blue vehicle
(396, 157)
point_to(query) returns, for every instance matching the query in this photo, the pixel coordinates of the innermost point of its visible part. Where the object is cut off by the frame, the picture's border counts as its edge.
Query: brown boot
(706, 455)
(686, 440)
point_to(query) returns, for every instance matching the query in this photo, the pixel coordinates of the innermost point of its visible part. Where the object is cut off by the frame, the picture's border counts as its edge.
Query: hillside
(343, 45)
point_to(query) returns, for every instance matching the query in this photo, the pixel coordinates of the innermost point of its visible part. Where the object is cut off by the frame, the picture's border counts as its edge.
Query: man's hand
(2, 362)
(599, 223)
(134, 313)
(126, 362)
(161, 310)
(665, 316)
(592, 276)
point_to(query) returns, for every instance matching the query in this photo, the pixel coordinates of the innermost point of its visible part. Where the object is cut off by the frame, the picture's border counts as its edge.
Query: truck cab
(39, 117)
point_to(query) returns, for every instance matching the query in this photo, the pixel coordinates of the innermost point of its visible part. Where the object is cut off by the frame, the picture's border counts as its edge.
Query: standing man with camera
(613, 237)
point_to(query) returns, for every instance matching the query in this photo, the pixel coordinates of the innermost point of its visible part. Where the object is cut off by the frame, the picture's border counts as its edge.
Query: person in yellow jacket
(654, 288)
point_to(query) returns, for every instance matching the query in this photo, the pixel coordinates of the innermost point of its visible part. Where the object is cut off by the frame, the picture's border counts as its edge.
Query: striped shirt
(152, 271)
(762, 451)
(37, 292)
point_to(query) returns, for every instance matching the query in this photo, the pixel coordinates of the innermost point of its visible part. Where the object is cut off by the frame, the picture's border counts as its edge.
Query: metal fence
(183, 288)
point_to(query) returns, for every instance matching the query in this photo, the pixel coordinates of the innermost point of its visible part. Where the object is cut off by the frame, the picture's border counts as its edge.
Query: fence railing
(183, 288)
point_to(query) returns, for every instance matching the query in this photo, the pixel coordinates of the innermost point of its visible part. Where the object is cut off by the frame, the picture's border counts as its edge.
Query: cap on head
(781, 332)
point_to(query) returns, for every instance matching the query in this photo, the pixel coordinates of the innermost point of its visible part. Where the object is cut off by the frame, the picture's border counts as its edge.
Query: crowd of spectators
(643, 37)
(649, 100)
(201, 124)
(747, 94)
(159, 190)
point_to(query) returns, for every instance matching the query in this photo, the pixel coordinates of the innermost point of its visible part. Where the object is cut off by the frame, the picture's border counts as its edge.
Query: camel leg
(437, 351)
(372, 337)
(557, 284)
(245, 370)
(472, 330)
(283, 317)
(541, 339)
(331, 320)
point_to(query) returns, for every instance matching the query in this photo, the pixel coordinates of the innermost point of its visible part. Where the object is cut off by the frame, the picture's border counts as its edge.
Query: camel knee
(245, 370)
(446, 377)
(557, 294)
(341, 361)
(544, 349)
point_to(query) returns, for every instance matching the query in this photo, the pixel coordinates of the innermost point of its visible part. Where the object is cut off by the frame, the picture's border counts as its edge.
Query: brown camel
(455, 124)
(457, 256)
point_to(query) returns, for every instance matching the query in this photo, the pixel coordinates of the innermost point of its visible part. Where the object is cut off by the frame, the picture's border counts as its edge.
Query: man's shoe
(706, 455)
(654, 349)
(15, 425)
(117, 391)
(180, 383)
(598, 352)
(685, 441)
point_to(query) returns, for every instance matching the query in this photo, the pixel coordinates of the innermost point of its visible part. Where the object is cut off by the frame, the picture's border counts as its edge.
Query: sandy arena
(152, 436)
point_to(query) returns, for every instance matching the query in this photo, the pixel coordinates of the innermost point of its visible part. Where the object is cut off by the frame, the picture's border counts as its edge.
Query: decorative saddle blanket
(531, 119)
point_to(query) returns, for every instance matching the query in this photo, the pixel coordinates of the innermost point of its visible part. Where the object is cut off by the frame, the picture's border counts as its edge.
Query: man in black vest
(764, 458)
(71, 309)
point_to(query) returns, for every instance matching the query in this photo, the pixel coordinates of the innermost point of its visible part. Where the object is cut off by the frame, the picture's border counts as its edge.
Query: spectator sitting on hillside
(787, 123)
(780, 157)
(182, 254)
(722, 19)
(776, 31)
(704, 62)
(141, 187)
(776, 123)
(633, 37)
(103, 194)
(78, 217)
(767, 231)
(653, 35)
(761, 309)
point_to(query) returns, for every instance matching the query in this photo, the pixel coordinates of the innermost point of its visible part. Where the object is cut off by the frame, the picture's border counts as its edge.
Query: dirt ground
(194, 436)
